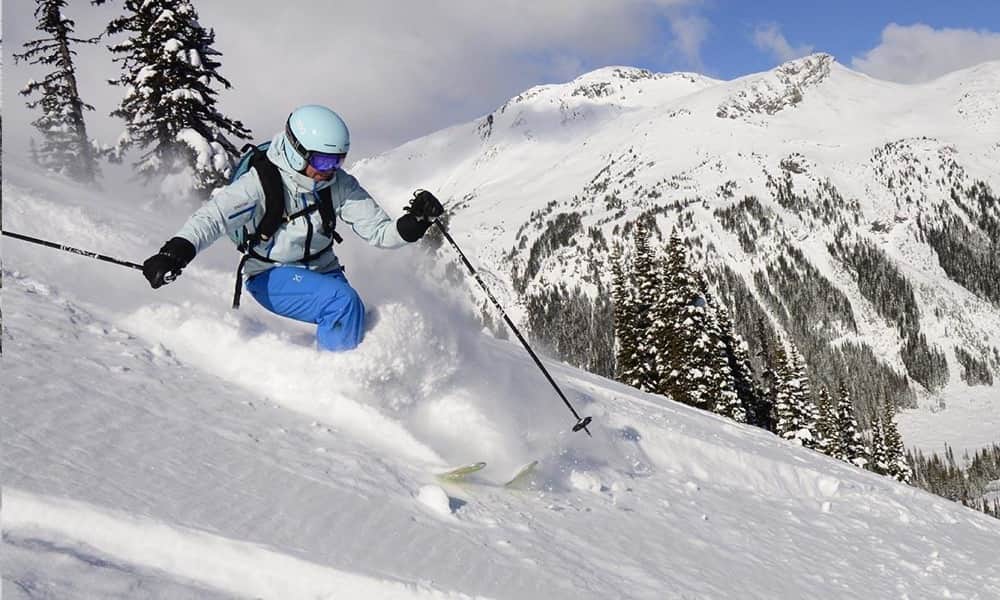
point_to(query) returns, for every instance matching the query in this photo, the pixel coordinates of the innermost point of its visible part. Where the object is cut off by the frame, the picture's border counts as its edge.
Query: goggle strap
(294, 141)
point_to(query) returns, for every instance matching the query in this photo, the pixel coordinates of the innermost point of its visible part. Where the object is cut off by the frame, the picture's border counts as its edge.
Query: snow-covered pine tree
(639, 370)
(763, 415)
(809, 407)
(624, 325)
(662, 331)
(877, 451)
(829, 435)
(787, 418)
(895, 452)
(716, 360)
(852, 445)
(169, 107)
(65, 146)
(748, 392)
(675, 332)
(796, 412)
(691, 359)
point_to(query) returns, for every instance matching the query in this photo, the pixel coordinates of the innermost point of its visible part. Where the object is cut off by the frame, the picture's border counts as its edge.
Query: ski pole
(86, 253)
(581, 423)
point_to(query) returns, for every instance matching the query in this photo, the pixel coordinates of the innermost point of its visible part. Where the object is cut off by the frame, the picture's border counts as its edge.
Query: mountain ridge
(818, 152)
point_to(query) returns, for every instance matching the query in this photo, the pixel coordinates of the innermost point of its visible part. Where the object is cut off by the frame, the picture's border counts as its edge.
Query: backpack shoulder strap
(328, 215)
(274, 195)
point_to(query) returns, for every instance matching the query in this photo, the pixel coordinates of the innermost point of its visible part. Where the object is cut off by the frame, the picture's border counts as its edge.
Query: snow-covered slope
(160, 445)
(827, 154)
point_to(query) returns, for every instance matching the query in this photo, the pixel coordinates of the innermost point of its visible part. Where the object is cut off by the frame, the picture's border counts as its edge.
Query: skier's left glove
(166, 265)
(420, 215)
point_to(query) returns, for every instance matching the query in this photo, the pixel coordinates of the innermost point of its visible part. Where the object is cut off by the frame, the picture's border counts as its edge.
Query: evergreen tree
(65, 146)
(852, 445)
(663, 331)
(680, 337)
(895, 452)
(688, 340)
(764, 415)
(796, 412)
(624, 325)
(715, 359)
(879, 462)
(829, 435)
(168, 72)
(685, 344)
(748, 392)
(639, 369)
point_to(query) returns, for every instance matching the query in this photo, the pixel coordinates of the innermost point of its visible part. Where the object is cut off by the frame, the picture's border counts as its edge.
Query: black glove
(424, 205)
(420, 215)
(166, 265)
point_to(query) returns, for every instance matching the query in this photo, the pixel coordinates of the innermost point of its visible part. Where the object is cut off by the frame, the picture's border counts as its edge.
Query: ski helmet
(315, 134)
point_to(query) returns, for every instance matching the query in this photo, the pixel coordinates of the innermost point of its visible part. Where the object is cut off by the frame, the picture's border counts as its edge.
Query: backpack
(255, 157)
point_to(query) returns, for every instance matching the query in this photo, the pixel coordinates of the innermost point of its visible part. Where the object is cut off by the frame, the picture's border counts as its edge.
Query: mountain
(856, 217)
(157, 444)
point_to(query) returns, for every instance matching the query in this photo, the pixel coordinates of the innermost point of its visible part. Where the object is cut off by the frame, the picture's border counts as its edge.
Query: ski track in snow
(238, 568)
(68, 571)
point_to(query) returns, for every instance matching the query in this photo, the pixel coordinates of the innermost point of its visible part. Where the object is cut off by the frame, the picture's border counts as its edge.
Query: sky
(437, 63)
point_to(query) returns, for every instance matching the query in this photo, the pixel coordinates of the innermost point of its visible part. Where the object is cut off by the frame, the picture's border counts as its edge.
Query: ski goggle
(325, 163)
(321, 161)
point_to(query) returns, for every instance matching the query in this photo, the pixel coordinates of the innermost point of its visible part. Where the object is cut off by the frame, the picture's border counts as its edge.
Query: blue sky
(442, 62)
(845, 28)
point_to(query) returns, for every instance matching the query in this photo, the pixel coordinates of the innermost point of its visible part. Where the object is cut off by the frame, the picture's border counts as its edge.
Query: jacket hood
(295, 182)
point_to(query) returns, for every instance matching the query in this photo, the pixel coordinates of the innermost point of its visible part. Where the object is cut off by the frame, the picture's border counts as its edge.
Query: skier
(292, 269)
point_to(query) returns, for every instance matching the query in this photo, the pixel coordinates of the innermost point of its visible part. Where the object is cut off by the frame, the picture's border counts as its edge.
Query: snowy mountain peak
(590, 98)
(783, 87)
(625, 82)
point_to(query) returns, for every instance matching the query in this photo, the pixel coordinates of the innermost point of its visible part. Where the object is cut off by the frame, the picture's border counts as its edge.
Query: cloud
(915, 53)
(768, 37)
(398, 70)
(689, 31)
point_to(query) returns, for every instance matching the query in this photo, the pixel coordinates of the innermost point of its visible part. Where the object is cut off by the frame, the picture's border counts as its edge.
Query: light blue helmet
(314, 128)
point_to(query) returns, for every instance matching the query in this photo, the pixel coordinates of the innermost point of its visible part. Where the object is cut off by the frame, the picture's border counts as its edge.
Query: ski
(522, 476)
(460, 473)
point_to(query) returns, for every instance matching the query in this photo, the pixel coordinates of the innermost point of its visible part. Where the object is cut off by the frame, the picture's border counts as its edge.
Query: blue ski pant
(326, 299)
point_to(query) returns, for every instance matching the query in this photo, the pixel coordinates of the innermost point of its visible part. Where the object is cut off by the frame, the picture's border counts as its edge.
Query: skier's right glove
(166, 265)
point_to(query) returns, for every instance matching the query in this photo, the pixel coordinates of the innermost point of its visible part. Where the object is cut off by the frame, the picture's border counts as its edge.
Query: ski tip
(459, 473)
(522, 475)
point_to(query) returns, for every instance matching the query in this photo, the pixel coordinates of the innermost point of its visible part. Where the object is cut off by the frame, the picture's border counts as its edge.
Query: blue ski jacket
(241, 203)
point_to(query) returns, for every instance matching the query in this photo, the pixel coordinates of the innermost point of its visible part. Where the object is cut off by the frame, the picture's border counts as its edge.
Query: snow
(202, 148)
(186, 94)
(172, 45)
(435, 499)
(158, 443)
(217, 562)
(967, 420)
(144, 74)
